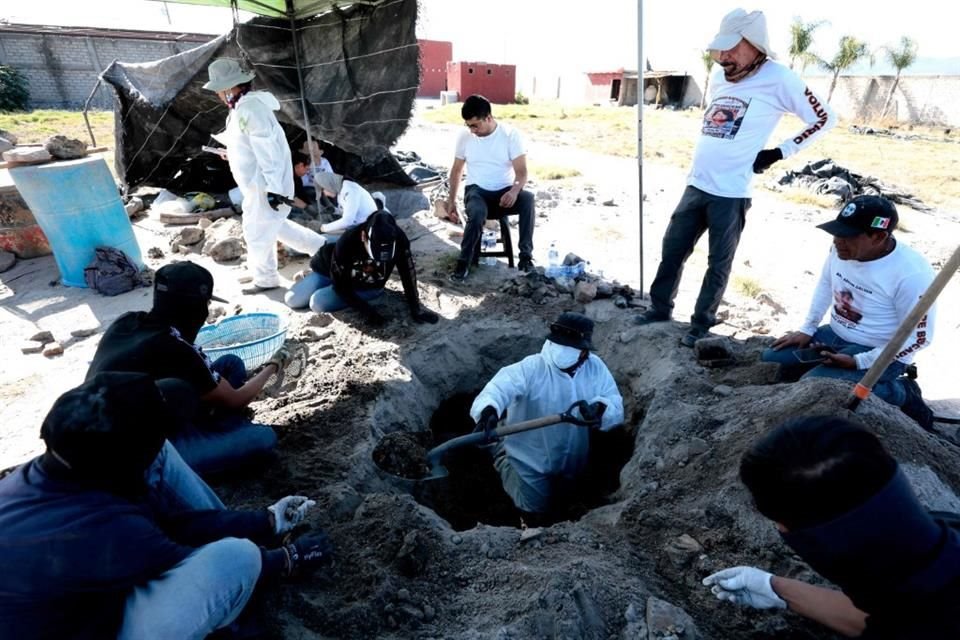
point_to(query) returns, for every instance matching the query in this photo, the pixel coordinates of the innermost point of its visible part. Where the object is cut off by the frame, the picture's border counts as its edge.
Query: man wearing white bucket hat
(259, 158)
(756, 90)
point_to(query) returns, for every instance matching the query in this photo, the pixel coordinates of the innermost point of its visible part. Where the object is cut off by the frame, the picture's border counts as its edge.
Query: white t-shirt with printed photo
(490, 158)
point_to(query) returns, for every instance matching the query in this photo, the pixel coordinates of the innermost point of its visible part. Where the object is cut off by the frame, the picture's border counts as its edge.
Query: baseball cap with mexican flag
(863, 214)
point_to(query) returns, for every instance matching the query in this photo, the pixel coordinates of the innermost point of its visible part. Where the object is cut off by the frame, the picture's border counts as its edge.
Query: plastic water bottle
(553, 259)
(488, 241)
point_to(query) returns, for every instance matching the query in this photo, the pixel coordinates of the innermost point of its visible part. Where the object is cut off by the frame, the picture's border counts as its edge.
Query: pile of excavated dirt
(629, 567)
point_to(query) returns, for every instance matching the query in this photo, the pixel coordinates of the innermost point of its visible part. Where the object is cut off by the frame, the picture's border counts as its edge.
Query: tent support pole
(303, 99)
(641, 65)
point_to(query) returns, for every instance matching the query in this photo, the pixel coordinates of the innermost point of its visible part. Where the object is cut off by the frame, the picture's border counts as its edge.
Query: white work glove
(289, 512)
(745, 586)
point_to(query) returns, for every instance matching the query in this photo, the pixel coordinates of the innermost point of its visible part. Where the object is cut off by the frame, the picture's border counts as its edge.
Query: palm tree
(708, 65)
(801, 38)
(900, 58)
(851, 51)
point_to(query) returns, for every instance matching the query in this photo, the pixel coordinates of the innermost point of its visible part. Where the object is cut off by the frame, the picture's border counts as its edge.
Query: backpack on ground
(112, 272)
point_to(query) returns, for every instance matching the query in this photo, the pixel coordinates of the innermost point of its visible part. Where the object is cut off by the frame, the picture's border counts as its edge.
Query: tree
(14, 90)
(708, 66)
(851, 51)
(900, 58)
(801, 38)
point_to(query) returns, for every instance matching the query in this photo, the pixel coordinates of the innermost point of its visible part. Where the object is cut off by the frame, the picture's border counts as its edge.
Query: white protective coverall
(260, 162)
(536, 387)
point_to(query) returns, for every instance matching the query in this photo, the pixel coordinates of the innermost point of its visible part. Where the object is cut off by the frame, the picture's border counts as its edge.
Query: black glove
(489, 419)
(275, 200)
(766, 158)
(423, 314)
(591, 411)
(373, 318)
(308, 553)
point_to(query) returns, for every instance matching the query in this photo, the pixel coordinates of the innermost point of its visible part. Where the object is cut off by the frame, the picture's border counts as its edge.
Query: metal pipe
(640, 67)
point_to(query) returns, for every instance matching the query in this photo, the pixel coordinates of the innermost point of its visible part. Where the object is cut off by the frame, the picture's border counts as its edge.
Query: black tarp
(361, 72)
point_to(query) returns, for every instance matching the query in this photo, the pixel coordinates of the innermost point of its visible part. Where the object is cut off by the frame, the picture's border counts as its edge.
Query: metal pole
(640, 67)
(861, 391)
(303, 100)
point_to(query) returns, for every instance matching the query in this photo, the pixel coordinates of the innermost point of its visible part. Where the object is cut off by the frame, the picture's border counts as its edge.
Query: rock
(584, 292)
(9, 136)
(6, 145)
(216, 311)
(604, 289)
(429, 613)
(203, 223)
(187, 236)
(697, 446)
(403, 595)
(682, 550)
(326, 355)
(609, 203)
(723, 390)
(84, 333)
(27, 154)
(666, 620)
(572, 259)
(155, 253)
(411, 559)
(227, 250)
(308, 335)
(7, 260)
(42, 337)
(65, 148)
(530, 533)
(31, 347)
(456, 538)
(320, 320)
(713, 351)
(53, 349)
(133, 206)
(766, 299)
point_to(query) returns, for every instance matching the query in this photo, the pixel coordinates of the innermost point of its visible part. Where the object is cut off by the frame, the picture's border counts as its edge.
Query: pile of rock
(44, 342)
(584, 288)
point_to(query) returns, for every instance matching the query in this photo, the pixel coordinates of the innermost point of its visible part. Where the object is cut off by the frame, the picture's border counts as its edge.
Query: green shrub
(520, 98)
(14, 90)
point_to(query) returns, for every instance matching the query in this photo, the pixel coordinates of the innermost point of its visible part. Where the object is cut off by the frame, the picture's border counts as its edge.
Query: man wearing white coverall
(259, 158)
(538, 467)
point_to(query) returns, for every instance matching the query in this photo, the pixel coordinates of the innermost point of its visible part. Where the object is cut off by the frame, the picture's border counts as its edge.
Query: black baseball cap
(186, 279)
(572, 330)
(863, 214)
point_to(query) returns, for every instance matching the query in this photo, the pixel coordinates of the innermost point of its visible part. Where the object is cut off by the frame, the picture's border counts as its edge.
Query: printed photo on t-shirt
(843, 307)
(723, 117)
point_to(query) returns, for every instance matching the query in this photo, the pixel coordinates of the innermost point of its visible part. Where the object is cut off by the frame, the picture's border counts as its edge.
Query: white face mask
(561, 356)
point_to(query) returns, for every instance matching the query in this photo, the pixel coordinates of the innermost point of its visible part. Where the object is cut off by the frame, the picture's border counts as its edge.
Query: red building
(434, 57)
(496, 82)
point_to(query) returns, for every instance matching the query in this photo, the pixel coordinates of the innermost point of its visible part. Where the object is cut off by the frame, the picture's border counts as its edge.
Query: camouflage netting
(361, 71)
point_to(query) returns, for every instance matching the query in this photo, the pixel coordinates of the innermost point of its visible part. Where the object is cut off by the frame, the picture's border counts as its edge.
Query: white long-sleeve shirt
(257, 148)
(739, 120)
(536, 387)
(356, 205)
(869, 300)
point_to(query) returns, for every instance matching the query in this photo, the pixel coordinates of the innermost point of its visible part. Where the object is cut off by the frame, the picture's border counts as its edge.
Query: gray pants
(697, 212)
(478, 203)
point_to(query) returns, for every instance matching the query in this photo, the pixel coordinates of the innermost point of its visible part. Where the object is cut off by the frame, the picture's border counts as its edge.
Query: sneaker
(692, 336)
(460, 272)
(255, 289)
(525, 264)
(650, 316)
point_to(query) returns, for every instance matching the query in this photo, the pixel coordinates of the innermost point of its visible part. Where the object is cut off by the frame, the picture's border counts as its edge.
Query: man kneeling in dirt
(356, 269)
(539, 468)
(160, 343)
(870, 282)
(843, 505)
(85, 554)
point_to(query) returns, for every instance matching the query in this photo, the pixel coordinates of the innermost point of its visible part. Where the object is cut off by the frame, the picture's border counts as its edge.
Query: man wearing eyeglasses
(496, 163)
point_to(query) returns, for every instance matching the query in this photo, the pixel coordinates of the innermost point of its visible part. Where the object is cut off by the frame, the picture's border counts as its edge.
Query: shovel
(435, 455)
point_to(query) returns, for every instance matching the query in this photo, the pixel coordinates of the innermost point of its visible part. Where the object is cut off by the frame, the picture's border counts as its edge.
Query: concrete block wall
(63, 67)
(931, 100)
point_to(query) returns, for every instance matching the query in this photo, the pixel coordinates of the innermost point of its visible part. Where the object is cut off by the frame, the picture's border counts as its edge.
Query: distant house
(434, 57)
(617, 87)
(496, 82)
(670, 88)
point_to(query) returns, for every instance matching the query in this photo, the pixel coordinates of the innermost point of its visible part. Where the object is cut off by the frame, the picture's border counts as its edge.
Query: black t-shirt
(136, 342)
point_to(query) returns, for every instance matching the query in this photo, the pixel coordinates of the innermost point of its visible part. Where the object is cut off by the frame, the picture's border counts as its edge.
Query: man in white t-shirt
(749, 93)
(870, 283)
(496, 164)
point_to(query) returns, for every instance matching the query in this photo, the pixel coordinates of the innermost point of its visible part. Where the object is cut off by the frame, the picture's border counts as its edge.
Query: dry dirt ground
(447, 558)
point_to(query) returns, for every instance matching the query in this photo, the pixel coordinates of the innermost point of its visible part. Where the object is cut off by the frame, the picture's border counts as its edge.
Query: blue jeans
(204, 592)
(724, 220)
(316, 290)
(174, 486)
(887, 387)
(225, 440)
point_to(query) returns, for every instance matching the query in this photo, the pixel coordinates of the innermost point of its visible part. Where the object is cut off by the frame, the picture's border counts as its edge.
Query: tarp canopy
(277, 8)
(360, 70)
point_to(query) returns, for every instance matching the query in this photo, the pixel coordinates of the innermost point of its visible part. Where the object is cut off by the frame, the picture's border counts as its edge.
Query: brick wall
(63, 65)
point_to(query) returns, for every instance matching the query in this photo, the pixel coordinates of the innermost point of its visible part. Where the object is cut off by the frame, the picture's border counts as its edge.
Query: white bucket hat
(225, 73)
(737, 25)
